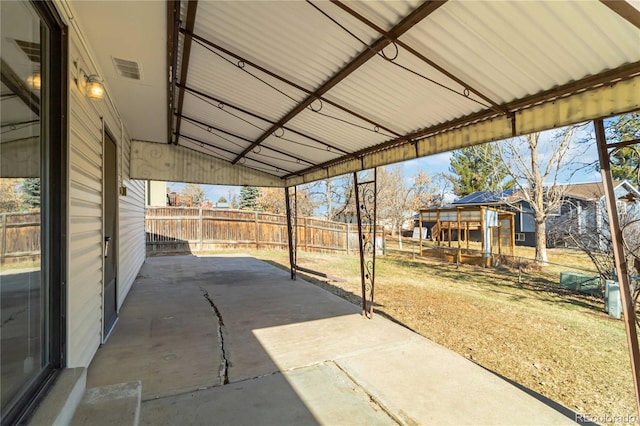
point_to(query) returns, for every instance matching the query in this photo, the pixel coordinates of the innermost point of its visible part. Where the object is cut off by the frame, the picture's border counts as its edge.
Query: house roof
(584, 191)
(307, 90)
(587, 191)
(485, 197)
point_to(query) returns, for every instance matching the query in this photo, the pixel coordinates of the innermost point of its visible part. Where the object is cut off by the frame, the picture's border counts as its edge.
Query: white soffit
(133, 31)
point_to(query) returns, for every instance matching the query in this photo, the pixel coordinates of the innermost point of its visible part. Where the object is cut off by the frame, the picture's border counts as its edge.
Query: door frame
(113, 249)
(54, 238)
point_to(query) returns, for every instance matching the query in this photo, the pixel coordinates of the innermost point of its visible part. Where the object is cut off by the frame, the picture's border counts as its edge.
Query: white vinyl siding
(85, 226)
(131, 251)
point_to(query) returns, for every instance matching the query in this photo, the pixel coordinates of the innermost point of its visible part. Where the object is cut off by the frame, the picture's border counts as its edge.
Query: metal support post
(292, 225)
(365, 193)
(618, 253)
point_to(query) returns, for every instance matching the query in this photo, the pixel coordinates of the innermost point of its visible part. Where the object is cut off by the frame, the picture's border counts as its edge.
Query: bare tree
(595, 241)
(399, 197)
(194, 191)
(536, 165)
(272, 200)
(441, 187)
(334, 195)
(11, 198)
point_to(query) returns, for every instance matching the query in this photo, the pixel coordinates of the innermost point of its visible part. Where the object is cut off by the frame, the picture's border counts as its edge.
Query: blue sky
(433, 165)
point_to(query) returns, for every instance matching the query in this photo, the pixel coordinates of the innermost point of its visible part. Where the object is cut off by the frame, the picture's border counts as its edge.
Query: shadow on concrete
(291, 353)
(164, 245)
(567, 412)
(191, 323)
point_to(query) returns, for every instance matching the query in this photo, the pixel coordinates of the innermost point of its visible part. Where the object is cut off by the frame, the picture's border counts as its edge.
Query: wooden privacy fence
(179, 229)
(19, 237)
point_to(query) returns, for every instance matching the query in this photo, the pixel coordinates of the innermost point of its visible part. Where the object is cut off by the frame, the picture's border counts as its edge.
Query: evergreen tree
(478, 168)
(31, 189)
(625, 161)
(249, 198)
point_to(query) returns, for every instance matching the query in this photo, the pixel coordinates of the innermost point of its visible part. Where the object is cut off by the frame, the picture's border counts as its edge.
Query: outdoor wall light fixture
(34, 80)
(91, 85)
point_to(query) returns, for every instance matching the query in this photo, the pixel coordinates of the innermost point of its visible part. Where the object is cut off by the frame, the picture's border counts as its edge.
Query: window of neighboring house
(31, 203)
(519, 236)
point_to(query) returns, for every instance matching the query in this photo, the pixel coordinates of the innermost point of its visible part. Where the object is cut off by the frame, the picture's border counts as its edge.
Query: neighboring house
(582, 210)
(156, 193)
(506, 200)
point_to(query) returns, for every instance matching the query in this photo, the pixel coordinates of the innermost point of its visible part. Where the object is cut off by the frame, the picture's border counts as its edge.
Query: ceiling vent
(127, 69)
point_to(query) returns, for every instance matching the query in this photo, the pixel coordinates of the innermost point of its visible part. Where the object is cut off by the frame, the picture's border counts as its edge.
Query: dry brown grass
(557, 343)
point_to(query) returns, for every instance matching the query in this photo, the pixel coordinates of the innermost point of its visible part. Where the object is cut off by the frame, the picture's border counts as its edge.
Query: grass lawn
(557, 343)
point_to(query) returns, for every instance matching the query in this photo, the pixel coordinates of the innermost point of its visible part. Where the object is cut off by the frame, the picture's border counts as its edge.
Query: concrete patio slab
(165, 337)
(291, 352)
(423, 382)
(319, 394)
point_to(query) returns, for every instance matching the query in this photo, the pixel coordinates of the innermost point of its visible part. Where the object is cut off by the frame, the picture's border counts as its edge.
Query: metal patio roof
(304, 90)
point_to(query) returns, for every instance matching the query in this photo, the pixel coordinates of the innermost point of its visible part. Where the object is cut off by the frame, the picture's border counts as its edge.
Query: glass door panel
(23, 288)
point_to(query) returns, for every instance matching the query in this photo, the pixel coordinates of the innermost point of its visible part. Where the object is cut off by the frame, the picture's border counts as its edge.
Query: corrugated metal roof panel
(205, 149)
(505, 50)
(384, 14)
(338, 128)
(245, 87)
(308, 150)
(400, 99)
(212, 137)
(276, 161)
(225, 118)
(512, 49)
(293, 38)
(248, 162)
(263, 158)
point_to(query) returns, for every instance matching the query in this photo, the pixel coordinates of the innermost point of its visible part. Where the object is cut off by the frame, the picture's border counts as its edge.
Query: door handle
(106, 246)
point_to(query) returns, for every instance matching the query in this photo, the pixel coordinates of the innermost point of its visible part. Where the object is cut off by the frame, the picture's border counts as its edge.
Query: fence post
(519, 270)
(200, 235)
(257, 231)
(3, 249)
(348, 248)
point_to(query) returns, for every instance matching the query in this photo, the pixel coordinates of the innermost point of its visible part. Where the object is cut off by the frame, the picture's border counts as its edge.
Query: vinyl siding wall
(85, 260)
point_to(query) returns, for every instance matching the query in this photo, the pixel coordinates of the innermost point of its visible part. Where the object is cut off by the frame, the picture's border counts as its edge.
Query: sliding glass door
(30, 209)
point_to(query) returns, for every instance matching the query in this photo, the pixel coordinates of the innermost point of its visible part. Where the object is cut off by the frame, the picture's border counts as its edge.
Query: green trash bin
(589, 284)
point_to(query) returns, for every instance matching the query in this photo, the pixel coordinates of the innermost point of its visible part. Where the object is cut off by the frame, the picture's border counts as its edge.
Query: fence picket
(217, 229)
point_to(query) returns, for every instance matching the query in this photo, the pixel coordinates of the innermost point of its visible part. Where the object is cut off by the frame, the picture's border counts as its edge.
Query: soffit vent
(32, 50)
(127, 69)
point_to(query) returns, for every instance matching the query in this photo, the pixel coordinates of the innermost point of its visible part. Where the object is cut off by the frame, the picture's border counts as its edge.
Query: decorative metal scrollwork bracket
(292, 225)
(365, 192)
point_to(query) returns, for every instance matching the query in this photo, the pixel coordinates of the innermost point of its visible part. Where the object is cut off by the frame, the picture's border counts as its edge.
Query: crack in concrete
(224, 364)
(401, 419)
